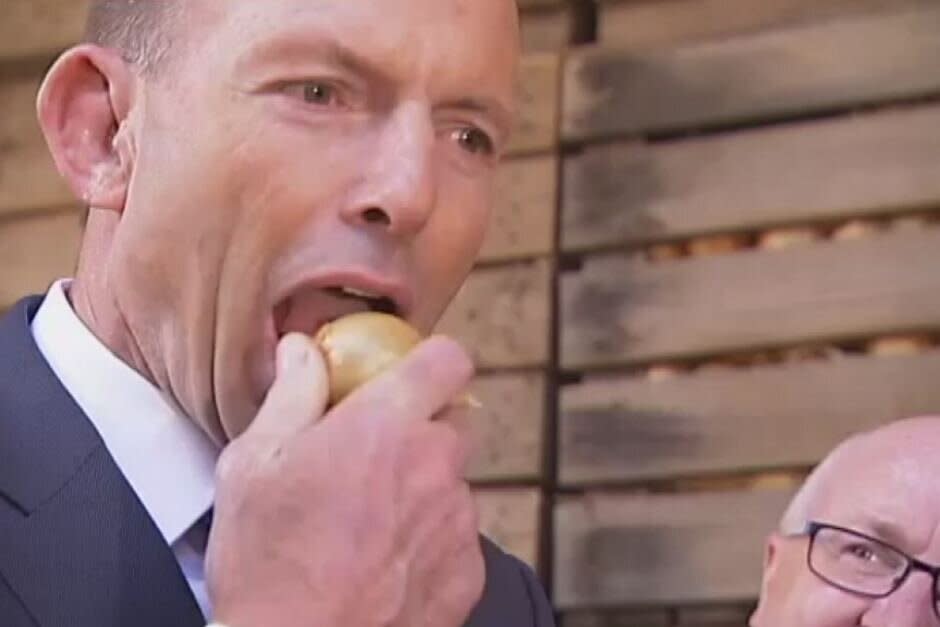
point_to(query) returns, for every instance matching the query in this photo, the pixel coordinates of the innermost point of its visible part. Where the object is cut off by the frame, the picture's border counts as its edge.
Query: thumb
(298, 397)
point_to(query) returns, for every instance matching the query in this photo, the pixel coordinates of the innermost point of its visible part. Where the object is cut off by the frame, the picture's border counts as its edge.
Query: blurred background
(716, 253)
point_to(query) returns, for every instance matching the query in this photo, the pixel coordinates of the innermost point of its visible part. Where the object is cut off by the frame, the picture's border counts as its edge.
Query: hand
(359, 518)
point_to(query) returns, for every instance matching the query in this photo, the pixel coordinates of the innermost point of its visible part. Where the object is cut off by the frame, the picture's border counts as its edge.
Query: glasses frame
(912, 564)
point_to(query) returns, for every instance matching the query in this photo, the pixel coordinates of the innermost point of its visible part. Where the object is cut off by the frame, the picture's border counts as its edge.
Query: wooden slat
(618, 310)
(502, 315)
(523, 223)
(40, 27)
(510, 517)
(637, 193)
(526, 5)
(28, 179)
(547, 30)
(618, 618)
(721, 616)
(767, 75)
(35, 251)
(617, 429)
(612, 549)
(648, 24)
(538, 96)
(509, 428)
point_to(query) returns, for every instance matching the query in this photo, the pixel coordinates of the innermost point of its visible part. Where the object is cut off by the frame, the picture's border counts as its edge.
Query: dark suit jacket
(77, 548)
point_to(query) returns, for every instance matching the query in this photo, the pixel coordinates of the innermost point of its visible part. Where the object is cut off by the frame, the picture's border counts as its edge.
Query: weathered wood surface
(509, 428)
(618, 429)
(636, 193)
(40, 27)
(523, 222)
(811, 68)
(648, 24)
(548, 29)
(617, 618)
(510, 517)
(642, 549)
(35, 251)
(619, 310)
(539, 101)
(28, 178)
(502, 315)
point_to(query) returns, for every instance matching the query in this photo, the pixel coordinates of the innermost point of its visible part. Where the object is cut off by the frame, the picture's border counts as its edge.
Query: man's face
(296, 148)
(887, 490)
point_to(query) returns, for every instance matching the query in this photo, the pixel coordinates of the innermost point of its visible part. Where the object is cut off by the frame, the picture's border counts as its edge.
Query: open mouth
(309, 308)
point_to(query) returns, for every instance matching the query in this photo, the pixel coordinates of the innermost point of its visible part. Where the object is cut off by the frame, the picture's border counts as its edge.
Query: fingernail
(292, 353)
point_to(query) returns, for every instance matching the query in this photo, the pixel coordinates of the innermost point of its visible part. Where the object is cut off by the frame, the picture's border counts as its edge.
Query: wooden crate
(646, 24)
(34, 251)
(40, 27)
(622, 549)
(511, 518)
(509, 428)
(764, 76)
(502, 314)
(630, 429)
(636, 193)
(619, 310)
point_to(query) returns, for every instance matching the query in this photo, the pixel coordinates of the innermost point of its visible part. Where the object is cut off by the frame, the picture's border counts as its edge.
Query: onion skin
(360, 346)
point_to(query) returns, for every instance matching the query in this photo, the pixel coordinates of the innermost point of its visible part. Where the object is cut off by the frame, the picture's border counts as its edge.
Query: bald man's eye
(474, 141)
(319, 93)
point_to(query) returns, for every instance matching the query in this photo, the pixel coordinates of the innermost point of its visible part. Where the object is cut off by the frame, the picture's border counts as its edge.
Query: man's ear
(83, 105)
(771, 553)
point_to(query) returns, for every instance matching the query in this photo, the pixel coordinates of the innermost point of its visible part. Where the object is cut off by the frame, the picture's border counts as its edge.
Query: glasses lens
(856, 563)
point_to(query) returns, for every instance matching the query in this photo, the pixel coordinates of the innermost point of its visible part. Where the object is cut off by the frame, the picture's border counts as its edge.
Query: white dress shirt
(166, 458)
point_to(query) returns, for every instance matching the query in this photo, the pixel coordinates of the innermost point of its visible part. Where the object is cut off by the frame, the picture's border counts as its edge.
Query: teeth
(349, 291)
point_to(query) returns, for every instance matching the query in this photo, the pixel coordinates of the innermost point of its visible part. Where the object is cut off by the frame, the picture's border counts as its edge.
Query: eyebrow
(297, 46)
(884, 530)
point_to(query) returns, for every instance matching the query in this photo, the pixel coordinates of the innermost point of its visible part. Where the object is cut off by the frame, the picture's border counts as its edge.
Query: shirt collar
(165, 457)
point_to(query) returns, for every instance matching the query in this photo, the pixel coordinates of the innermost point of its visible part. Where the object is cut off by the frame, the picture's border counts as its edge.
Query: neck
(93, 299)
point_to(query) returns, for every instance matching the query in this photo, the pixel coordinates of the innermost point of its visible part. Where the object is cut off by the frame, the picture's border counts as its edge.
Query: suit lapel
(76, 545)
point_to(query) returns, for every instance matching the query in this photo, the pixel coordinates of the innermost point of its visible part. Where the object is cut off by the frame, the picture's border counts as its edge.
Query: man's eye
(314, 92)
(474, 141)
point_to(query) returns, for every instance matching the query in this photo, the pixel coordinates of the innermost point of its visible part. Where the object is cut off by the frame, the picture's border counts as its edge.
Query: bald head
(140, 29)
(903, 449)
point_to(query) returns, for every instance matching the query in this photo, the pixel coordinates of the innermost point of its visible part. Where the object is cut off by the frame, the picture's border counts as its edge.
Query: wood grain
(538, 102)
(619, 310)
(637, 193)
(641, 549)
(40, 27)
(34, 251)
(771, 75)
(523, 223)
(510, 517)
(650, 24)
(547, 30)
(502, 315)
(509, 428)
(614, 429)
(28, 178)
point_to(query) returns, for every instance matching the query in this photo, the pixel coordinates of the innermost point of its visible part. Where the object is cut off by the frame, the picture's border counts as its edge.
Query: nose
(911, 605)
(398, 188)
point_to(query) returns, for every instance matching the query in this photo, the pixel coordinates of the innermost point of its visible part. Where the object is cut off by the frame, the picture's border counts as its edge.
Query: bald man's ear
(771, 552)
(82, 107)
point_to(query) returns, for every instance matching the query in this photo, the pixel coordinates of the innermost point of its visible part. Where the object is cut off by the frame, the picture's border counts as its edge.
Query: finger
(420, 386)
(297, 398)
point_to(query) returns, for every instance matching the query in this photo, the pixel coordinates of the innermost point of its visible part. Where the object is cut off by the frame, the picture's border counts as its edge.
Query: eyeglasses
(859, 564)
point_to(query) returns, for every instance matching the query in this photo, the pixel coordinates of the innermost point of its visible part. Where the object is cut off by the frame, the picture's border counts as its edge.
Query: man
(254, 170)
(860, 543)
